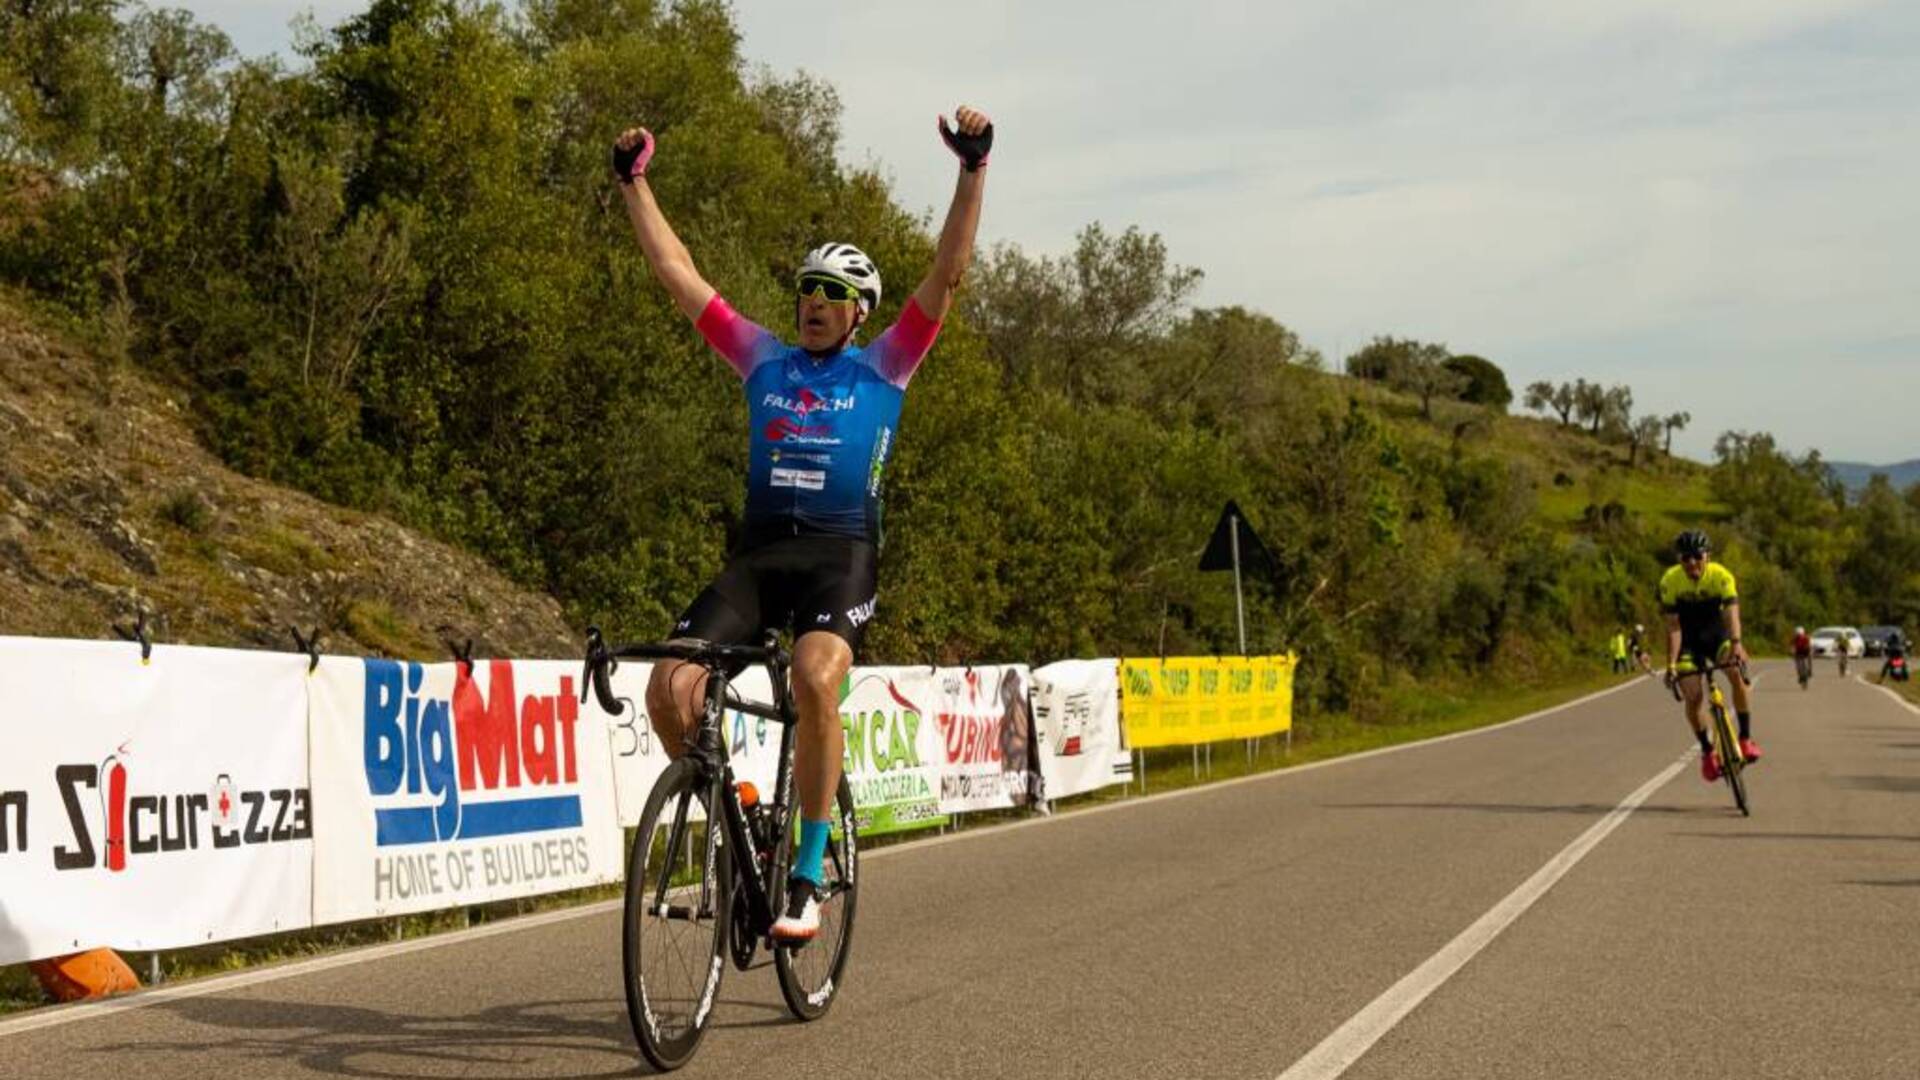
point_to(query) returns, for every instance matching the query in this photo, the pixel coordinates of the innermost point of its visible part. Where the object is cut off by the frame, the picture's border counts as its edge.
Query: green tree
(1486, 384)
(57, 85)
(1672, 422)
(1543, 396)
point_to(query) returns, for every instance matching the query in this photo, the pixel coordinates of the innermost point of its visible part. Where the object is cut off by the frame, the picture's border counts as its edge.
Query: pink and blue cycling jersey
(822, 427)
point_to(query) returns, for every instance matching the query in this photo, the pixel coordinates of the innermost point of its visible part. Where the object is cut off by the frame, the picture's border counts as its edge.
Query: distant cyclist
(1637, 645)
(1801, 646)
(824, 415)
(1702, 606)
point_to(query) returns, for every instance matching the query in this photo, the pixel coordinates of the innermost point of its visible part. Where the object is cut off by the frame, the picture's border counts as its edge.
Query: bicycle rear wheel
(1732, 765)
(678, 902)
(810, 974)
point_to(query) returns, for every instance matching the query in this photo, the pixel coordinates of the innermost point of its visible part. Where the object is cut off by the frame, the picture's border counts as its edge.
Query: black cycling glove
(972, 150)
(632, 162)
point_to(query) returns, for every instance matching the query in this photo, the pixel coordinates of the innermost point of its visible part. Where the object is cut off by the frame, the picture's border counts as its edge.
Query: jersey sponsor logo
(797, 455)
(806, 403)
(459, 769)
(785, 429)
(880, 448)
(804, 479)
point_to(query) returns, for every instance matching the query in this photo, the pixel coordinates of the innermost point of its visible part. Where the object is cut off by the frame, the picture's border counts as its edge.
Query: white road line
(87, 1010)
(1892, 693)
(1338, 1051)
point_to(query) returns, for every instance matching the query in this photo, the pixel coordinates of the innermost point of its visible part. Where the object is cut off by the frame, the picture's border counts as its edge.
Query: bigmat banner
(435, 786)
(987, 749)
(1181, 700)
(1076, 713)
(150, 806)
(893, 748)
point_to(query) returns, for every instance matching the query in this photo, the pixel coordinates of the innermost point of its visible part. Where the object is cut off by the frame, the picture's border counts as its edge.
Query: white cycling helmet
(1799, 629)
(851, 265)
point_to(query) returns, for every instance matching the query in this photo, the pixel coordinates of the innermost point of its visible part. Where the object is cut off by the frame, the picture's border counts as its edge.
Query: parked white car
(1829, 640)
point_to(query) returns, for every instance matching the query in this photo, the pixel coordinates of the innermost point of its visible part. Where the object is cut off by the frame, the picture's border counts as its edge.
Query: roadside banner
(1076, 713)
(753, 744)
(439, 785)
(985, 725)
(151, 805)
(893, 748)
(1273, 694)
(1181, 700)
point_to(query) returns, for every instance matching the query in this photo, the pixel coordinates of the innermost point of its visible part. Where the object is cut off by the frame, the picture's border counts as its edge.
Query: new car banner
(893, 750)
(985, 723)
(1076, 714)
(1181, 700)
(436, 785)
(150, 805)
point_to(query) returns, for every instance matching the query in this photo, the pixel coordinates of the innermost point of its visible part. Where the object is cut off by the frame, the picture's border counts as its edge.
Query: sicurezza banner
(893, 749)
(151, 805)
(986, 738)
(1076, 713)
(438, 785)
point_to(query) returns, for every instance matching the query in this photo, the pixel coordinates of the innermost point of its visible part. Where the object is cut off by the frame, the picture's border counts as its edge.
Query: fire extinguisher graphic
(116, 815)
(222, 799)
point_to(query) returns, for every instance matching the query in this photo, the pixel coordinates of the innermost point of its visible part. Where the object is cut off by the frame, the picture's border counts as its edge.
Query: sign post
(1224, 553)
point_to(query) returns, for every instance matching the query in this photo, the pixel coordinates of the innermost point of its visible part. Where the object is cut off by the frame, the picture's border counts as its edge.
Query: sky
(1712, 202)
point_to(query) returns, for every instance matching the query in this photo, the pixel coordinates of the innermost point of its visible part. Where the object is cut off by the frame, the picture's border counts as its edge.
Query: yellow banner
(1182, 700)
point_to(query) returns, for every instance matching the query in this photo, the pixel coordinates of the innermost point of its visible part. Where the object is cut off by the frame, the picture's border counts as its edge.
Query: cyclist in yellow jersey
(1702, 606)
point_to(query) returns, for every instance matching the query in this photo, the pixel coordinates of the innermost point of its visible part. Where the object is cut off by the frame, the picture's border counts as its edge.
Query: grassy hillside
(1568, 469)
(109, 506)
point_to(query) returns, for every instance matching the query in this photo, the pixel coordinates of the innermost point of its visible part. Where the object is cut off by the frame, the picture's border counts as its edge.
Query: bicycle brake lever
(594, 672)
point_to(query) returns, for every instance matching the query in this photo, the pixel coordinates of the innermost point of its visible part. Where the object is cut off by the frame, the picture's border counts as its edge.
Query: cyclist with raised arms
(1702, 606)
(823, 417)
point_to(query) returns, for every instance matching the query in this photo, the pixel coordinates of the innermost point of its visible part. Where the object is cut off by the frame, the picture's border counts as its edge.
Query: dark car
(1876, 638)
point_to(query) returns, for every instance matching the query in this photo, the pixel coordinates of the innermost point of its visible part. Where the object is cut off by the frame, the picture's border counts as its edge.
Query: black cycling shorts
(802, 583)
(1697, 650)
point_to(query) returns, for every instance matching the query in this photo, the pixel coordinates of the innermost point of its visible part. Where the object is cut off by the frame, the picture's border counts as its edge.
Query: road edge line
(54, 1015)
(1894, 694)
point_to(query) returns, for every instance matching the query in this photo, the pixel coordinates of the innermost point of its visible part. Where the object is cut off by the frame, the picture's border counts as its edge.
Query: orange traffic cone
(92, 974)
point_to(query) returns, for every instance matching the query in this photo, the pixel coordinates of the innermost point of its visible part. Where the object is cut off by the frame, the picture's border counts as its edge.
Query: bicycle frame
(1725, 739)
(709, 749)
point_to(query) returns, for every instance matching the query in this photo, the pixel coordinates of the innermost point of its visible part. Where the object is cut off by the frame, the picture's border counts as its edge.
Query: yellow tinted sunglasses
(831, 289)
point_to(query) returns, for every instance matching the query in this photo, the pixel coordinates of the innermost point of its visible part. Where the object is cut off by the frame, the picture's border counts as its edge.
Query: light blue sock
(813, 848)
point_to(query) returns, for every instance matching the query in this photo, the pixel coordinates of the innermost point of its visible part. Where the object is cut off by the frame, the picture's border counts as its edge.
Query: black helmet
(1692, 542)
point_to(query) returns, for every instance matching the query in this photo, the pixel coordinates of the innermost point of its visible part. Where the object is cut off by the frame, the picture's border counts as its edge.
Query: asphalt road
(1232, 931)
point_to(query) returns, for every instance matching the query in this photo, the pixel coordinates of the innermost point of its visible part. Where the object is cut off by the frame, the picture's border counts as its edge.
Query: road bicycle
(1721, 729)
(1803, 667)
(698, 892)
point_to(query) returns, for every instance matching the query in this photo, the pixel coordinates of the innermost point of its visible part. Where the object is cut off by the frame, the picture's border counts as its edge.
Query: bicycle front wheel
(679, 880)
(1732, 766)
(810, 974)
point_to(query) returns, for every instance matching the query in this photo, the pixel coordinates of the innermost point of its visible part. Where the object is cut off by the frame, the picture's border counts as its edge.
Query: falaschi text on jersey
(471, 766)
